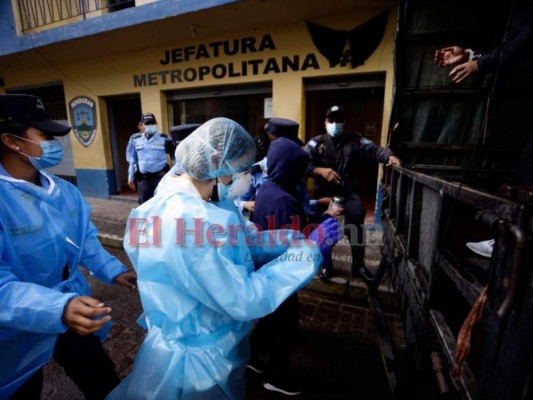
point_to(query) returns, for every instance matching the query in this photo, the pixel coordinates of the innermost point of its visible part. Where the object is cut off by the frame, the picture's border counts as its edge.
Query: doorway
(245, 104)
(362, 98)
(123, 113)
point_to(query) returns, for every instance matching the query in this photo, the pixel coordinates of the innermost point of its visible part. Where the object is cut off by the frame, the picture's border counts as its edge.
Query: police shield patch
(83, 119)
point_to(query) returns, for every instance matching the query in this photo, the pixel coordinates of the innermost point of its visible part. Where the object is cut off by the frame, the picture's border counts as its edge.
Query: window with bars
(40, 13)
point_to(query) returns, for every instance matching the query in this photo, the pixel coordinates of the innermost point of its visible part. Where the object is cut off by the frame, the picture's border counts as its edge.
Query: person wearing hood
(45, 236)
(278, 205)
(275, 128)
(146, 154)
(334, 160)
(194, 255)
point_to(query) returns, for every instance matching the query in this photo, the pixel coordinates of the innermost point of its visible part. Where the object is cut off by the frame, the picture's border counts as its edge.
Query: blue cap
(282, 127)
(29, 110)
(148, 118)
(335, 112)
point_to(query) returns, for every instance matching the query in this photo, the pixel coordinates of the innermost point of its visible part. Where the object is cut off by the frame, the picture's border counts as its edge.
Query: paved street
(337, 354)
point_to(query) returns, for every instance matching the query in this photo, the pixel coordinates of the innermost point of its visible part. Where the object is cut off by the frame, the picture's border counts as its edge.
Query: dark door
(362, 98)
(124, 114)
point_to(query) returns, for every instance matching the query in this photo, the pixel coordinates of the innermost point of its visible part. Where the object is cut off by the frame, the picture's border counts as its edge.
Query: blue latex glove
(325, 236)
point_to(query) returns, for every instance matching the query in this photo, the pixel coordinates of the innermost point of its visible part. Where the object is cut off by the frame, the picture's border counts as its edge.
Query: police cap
(335, 112)
(283, 127)
(29, 110)
(148, 118)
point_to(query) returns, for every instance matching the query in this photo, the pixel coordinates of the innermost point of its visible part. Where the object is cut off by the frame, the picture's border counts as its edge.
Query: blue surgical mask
(150, 129)
(52, 154)
(335, 129)
(222, 190)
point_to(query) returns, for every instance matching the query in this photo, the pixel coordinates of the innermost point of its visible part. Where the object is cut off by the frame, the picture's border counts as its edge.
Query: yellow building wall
(113, 75)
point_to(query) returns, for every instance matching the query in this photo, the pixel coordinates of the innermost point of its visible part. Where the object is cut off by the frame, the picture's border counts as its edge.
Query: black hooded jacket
(278, 201)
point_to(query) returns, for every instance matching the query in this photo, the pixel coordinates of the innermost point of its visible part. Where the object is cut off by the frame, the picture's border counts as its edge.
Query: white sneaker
(483, 248)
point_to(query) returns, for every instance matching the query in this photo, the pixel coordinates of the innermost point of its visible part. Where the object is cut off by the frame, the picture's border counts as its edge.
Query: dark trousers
(354, 219)
(84, 360)
(274, 336)
(146, 189)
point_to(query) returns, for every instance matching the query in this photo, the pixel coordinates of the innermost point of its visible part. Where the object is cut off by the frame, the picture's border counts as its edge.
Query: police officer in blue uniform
(334, 160)
(147, 157)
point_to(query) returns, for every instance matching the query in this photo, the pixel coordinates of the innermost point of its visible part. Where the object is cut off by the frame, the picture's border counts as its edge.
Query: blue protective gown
(200, 298)
(42, 229)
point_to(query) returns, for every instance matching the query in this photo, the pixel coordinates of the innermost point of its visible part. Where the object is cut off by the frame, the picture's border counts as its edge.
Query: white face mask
(239, 185)
(335, 129)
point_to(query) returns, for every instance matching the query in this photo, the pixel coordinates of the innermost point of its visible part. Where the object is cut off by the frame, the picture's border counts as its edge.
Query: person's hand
(463, 71)
(393, 160)
(328, 174)
(324, 201)
(334, 209)
(326, 235)
(249, 205)
(85, 315)
(450, 55)
(131, 184)
(127, 279)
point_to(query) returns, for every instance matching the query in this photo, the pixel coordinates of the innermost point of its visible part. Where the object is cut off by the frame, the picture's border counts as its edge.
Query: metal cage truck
(464, 135)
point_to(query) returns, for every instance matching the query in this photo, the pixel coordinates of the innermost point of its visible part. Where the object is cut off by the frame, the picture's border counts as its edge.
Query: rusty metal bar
(438, 368)
(516, 239)
(507, 209)
(519, 238)
(448, 344)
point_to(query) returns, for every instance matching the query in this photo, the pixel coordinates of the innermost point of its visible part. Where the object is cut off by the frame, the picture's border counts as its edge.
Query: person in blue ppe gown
(194, 255)
(45, 234)
(278, 204)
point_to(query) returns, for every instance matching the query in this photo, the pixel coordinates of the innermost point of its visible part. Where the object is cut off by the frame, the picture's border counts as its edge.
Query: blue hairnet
(218, 147)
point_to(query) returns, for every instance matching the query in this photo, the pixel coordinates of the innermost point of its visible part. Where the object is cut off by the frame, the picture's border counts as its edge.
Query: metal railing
(39, 13)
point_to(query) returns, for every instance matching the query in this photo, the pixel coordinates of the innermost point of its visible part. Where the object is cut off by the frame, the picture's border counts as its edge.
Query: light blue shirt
(146, 155)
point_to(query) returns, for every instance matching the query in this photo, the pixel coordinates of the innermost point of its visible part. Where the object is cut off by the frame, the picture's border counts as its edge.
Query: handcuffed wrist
(472, 56)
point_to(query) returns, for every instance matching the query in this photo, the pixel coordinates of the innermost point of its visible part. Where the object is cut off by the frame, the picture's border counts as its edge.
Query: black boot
(325, 272)
(360, 271)
(358, 265)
